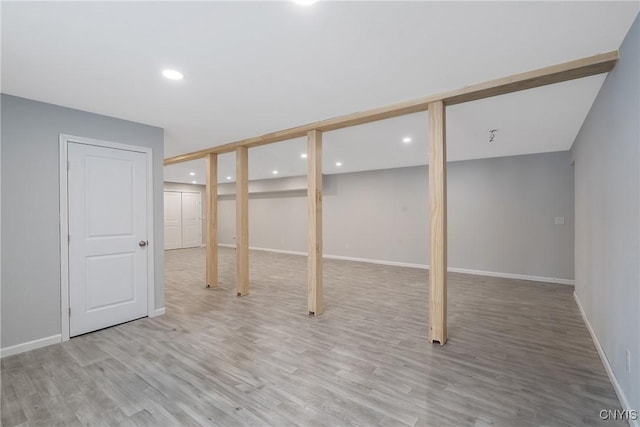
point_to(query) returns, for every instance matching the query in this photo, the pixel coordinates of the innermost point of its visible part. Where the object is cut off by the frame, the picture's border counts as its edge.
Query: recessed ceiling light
(192, 173)
(194, 182)
(303, 155)
(338, 164)
(172, 74)
(228, 178)
(305, 2)
(406, 139)
(275, 172)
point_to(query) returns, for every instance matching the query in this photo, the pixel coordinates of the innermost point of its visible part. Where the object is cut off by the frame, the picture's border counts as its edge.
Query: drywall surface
(501, 211)
(607, 207)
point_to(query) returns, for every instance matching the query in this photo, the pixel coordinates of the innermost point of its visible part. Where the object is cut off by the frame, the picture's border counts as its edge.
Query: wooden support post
(438, 223)
(212, 219)
(242, 221)
(314, 222)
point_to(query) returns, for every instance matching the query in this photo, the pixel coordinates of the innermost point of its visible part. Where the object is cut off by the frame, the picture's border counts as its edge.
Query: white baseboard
(513, 276)
(54, 339)
(31, 345)
(607, 366)
(158, 312)
(421, 266)
(377, 261)
(277, 251)
(339, 257)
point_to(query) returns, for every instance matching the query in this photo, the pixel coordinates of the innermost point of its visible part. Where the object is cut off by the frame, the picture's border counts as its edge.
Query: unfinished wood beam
(572, 70)
(437, 223)
(212, 219)
(584, 67)
(242, 221)
(314, 222)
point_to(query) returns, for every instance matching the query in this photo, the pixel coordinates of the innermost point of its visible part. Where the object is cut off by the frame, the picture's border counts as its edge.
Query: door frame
(64, 223)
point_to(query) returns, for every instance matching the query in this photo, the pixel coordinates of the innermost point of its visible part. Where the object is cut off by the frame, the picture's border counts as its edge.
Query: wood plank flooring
(518, 355)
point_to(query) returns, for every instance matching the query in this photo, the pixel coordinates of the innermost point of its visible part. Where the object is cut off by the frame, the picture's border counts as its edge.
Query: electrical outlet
(559, 220)
(628, 361)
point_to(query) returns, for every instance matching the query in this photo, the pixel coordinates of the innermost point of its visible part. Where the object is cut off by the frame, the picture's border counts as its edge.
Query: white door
(107, 197)
(191, 221)
(172, 220)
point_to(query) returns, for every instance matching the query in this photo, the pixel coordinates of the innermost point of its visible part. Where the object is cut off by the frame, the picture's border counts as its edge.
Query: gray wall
(30, 225)
(0, 224)
(501, 215)
(261, 189)
(607, 205)
(192, 188)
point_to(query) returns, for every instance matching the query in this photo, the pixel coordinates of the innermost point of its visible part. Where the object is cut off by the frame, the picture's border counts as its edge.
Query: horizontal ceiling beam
(571, 70)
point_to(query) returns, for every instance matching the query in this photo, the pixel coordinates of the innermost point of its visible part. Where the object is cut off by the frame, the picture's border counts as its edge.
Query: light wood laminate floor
(518, 355)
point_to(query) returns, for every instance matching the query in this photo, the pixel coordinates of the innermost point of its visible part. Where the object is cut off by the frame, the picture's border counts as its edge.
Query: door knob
(142, 243)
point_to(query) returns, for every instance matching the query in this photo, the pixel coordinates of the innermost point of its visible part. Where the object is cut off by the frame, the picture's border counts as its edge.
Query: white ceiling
(255, 67)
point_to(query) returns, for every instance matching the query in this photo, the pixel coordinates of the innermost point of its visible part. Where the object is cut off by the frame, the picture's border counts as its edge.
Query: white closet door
(172, 220)
(191, 220)
(107, 190)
